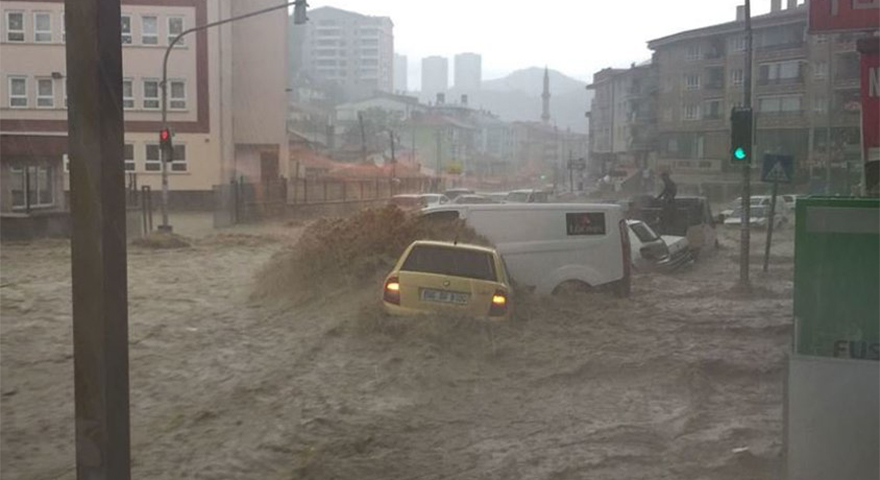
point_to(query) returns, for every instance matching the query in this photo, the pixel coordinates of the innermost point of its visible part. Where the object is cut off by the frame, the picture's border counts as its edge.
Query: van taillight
(391, 292)
(499, 304)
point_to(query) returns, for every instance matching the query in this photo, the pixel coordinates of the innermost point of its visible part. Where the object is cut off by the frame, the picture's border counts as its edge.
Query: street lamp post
(299, 18)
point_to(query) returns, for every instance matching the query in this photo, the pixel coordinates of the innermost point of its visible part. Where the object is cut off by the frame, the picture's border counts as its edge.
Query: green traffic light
(739, 153)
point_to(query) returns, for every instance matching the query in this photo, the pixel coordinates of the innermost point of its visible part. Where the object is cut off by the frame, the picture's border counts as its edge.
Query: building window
(175, 28)
(736, 77)
(42, 27)
(820, 70)
(128, 157)
(779, 72)
(126, 29)
(780, 104)
(178, 95)
(179, 163)
(149, 30)
(18, 95)
(820, 104)
(820, 38)
(692, 81)
(31, 186)
(738, 43)
(63, 27)
(693, 52)
(712, 109)
(127, 94)
(153, 159)
(14, 26)
(691, 112)
(151, 94)
(45, 93)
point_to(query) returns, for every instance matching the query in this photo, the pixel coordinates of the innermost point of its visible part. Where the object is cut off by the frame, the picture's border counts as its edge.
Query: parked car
(754, 201)
(651, 251)
(472, 200)
(498, 197)
(790, 202)
(433, 199)
(758, 217)
(406, 201)
(553, 247)
(527, 196)
(441, 276)
(452, 193)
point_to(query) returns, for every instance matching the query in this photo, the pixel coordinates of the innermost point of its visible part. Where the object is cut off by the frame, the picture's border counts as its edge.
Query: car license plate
(443, 296)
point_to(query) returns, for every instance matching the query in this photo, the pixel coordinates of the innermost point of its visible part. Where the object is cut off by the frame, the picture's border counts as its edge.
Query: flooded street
(682, 380)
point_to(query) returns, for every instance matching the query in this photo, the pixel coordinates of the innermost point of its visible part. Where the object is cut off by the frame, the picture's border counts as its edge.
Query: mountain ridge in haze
(517, 97)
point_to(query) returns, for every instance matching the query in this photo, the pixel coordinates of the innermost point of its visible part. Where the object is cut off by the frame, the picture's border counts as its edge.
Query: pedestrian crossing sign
(777, 169)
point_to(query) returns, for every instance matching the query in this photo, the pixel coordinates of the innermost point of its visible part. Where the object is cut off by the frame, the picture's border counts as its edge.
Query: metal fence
(331, 190)
(241, 201)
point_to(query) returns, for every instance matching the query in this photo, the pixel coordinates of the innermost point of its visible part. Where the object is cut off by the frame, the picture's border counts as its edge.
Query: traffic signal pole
(299, 18)
(745, 219)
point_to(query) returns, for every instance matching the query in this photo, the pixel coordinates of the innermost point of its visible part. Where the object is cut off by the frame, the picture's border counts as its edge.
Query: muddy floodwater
(684, 380)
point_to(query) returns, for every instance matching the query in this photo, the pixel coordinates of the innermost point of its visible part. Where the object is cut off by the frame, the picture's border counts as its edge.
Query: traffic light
(165, 144)
(741, 136)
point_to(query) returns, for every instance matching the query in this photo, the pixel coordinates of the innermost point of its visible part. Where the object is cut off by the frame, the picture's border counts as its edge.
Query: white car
(650, 250)
(527, 196)
(433, 199)
(758, 217)
(554, 246)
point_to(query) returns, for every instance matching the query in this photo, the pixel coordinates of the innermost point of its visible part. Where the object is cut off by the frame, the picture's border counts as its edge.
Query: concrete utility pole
(299, 18)
(745, 219)
(98, 261)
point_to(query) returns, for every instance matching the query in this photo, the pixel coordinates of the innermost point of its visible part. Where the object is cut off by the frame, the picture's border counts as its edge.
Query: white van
(553, 246)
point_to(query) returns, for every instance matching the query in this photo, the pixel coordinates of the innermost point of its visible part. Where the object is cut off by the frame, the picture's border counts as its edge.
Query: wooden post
(98, 243)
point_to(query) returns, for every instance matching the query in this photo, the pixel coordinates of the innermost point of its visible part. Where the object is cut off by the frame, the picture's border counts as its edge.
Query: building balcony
(797, 80)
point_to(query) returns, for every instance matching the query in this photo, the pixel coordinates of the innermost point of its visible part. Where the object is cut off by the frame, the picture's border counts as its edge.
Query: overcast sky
(576, 37)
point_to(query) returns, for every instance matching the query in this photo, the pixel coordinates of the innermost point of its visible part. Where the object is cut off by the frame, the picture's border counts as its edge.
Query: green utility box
(837, 278)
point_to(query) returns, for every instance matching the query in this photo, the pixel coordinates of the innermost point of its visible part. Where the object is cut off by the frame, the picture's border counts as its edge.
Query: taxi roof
(464, 246)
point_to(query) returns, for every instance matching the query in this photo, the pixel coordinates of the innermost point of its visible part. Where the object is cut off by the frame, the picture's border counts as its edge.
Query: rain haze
(574, 37)
(453, 239)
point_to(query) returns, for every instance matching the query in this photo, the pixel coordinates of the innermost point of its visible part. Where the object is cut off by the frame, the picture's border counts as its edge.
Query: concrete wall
(259, 79)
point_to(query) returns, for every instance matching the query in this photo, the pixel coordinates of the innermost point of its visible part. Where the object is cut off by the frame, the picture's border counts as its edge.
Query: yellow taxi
(441, 276)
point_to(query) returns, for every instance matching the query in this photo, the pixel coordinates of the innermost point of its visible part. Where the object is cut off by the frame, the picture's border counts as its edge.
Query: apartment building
(803, 87)
(468, 72)
(622, 118)
(353, 51)
(227, 121)
(435, 76)
(401, 74)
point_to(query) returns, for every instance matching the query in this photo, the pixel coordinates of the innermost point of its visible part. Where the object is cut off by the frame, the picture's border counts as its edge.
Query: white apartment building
(354, 51)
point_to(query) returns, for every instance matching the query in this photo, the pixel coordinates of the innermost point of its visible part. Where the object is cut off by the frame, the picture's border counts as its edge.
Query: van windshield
(457, 262)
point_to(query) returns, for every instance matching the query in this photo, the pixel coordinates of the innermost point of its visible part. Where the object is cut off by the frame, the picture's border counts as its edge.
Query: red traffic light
(164, 135)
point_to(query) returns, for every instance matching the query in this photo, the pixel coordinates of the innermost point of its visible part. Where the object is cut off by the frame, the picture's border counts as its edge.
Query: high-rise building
(401, 67)
(468, 71)
(435, 76)
(352, 50)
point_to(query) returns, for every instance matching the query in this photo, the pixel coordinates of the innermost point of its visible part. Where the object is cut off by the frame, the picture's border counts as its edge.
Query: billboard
(844, 15)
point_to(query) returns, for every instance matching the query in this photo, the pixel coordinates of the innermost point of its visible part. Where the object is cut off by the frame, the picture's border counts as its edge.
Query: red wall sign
(844, 15)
